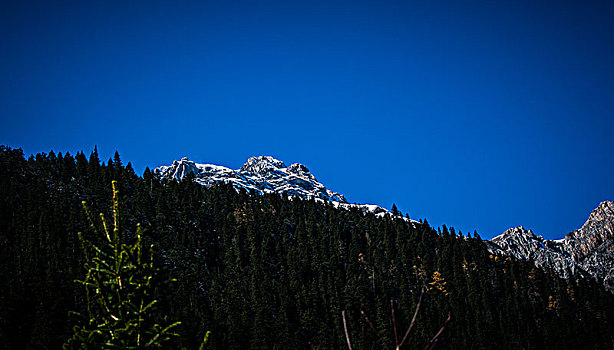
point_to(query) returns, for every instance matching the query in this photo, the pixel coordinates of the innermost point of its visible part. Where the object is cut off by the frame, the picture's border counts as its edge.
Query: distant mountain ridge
(586, 252)
(263, 174)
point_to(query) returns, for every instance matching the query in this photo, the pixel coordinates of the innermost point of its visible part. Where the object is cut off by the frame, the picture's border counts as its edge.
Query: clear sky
(478, 114)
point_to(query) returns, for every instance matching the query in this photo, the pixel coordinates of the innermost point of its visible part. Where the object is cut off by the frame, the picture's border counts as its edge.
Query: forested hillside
(265, 271)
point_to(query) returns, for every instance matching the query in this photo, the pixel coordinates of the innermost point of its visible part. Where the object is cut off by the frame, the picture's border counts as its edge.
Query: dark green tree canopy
(270, 272)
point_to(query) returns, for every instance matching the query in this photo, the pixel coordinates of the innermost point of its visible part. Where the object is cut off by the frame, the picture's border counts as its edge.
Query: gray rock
(584, 253)
(264, 174)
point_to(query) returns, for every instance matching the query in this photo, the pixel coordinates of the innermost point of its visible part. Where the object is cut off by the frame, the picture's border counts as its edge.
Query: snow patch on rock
(264, 174)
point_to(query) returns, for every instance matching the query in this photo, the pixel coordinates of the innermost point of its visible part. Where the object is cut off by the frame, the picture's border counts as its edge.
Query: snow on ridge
(264, 174)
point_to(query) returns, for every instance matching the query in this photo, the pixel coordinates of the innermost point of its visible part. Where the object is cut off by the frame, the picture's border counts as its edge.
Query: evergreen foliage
(264, 272)
(120, 284)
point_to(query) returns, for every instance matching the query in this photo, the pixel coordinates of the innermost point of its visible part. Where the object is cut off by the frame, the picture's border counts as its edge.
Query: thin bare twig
(394, 324)
(413, 320)
(364, 316)
(428, 346)
(431, 344)
(345, 327)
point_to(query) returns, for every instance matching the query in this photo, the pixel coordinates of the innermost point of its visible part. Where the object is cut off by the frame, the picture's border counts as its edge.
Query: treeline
(264, 272)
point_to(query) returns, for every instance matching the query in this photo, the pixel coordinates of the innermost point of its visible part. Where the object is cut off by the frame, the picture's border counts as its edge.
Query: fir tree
(120, 283)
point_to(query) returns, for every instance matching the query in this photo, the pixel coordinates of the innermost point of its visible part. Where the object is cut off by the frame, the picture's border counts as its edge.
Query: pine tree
(120, 283)
(117, 162)
(395, 210)
(94, 158)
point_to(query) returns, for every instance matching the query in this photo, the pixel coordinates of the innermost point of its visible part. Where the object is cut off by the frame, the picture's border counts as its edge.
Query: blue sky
(478, 114)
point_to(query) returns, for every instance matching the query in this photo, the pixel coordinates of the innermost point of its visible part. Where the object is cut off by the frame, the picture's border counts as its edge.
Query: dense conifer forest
(268, 272)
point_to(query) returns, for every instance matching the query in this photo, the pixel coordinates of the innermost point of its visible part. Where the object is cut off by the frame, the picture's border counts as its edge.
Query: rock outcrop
(587, 252)
(264, 174)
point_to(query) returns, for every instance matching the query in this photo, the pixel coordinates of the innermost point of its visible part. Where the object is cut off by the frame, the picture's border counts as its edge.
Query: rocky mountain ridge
(586, 252)
(264, 174)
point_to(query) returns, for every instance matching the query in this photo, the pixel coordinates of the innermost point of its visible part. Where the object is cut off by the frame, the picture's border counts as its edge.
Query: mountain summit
(588, 251)
(263, 174)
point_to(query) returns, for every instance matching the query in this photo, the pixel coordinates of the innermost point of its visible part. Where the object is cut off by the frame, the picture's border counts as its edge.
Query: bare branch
(431, 344)
(345, 327)
(364, 316)
(394, 324)
(413, 320)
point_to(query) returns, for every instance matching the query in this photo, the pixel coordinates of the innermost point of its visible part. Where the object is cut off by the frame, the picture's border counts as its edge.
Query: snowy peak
(263, 165)
(179, 169)
(298, 169)
(264, 174)
(182, 168)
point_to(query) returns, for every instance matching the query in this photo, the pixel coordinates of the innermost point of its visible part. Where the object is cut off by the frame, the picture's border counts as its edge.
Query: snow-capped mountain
(263, 174)
(588, 251)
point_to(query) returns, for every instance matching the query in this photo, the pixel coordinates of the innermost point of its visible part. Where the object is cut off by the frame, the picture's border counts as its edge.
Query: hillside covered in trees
(265, 271)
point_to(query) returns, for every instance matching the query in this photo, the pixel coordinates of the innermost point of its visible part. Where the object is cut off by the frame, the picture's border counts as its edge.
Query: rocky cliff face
(592, 246)
(586, 252)
(263, 174)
